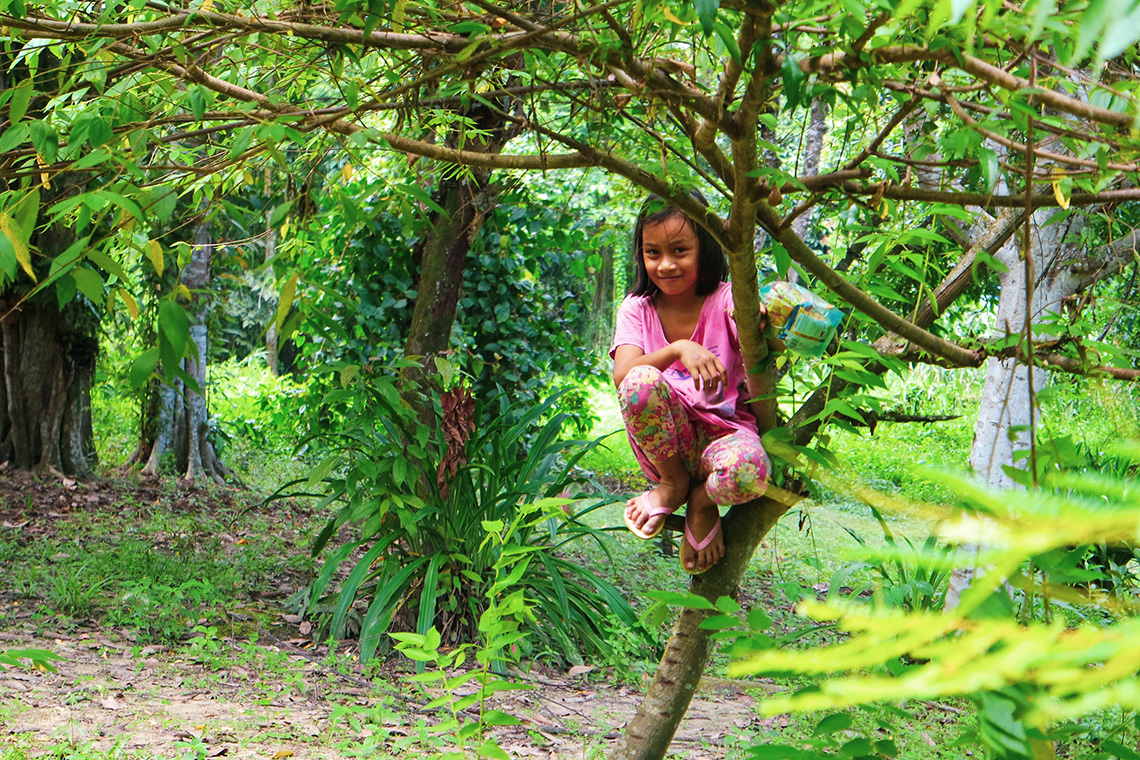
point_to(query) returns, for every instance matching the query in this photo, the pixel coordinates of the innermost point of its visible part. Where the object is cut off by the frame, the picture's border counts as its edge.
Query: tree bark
(465, 200)
(1010, 388)
(48, 363)
(648, 735)
(182, 436)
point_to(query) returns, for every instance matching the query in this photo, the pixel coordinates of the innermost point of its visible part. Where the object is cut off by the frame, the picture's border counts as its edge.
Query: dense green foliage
(525, 306)
(422, 489)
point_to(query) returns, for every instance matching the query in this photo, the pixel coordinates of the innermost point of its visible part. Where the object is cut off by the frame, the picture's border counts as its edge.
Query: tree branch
(955, 59)
(904, 193)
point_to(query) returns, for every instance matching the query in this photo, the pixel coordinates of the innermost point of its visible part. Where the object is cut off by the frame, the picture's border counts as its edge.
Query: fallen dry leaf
(578, 670)
(110, 703)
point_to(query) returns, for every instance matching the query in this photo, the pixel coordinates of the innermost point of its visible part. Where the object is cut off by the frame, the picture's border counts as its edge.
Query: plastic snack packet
(804, 322)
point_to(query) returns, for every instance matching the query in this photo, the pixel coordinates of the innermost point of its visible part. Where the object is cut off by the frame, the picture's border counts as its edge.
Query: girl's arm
(707, 370)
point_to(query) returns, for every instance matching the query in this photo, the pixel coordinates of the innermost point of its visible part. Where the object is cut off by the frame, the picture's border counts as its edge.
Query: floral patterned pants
(732, 463)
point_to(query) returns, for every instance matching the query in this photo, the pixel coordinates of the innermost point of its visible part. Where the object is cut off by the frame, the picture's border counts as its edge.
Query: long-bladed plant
(415, 475)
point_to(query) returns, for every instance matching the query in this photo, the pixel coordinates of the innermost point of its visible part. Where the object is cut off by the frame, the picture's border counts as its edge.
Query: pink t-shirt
(638, 325)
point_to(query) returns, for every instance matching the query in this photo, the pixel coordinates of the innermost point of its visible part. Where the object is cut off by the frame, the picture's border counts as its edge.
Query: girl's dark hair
(712, 267)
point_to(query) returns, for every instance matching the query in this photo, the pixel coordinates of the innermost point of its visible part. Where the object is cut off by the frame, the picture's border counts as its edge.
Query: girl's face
(671, 253)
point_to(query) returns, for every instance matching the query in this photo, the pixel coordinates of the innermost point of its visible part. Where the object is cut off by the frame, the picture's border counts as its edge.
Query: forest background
(416, 216)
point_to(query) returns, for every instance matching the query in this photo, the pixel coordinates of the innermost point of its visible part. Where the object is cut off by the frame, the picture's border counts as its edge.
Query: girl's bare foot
(645, 513)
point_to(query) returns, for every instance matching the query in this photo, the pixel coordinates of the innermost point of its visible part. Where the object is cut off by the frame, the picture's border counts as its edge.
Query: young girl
(680, 378)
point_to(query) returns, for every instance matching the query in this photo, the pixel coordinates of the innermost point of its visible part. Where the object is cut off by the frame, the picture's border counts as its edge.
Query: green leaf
(857, 747)
(718, 622)
(14, 240)
(279, 213)
(26, 212)
(724, 32)
(288, 293)
(676, 599)
(163, 202)
(1120, 35)
(499, 718)
(1092, 21)
(174, 326)
(8, 261)
(89, 283)
(322, 470)
(793, 78)
(989, 167)
(728, 605)
(123, 202)
(107, 264)
(142, 368)
(758, 620)
(706, 12)
(44, 140)
(832, 723)
(958, 9)
(492, 750)
(18, 105)
(14, 137)
(1045, 9)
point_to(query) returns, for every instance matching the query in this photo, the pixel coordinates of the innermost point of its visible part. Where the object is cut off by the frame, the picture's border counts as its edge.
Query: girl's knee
(744, 480)
(640, 384)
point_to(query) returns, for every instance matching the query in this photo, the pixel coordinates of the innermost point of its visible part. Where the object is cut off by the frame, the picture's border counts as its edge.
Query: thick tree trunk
(443, 255)
(443, 250)
(648, 735)
(181, 438)
(1010, 388)
(47, 364)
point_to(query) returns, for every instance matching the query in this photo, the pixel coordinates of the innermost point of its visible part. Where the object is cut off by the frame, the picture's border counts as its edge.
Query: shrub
(424, 487)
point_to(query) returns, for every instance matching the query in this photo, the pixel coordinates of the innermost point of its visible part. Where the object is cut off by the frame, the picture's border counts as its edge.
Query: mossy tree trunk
(48, 362)
(465, 198)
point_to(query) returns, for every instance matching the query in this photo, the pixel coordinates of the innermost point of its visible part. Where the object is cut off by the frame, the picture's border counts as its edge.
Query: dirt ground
(109, 694)
(215, 698)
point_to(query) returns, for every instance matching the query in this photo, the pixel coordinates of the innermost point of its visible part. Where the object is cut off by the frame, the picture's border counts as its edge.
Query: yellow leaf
(282, 753)
(247, 175)
(207, 5)
(346, 172)
(184, 291)
(157, 260)
(132, 304)
(23, 255)
(285, 229)
(1062, 199)
(287, 294)
(672, 17)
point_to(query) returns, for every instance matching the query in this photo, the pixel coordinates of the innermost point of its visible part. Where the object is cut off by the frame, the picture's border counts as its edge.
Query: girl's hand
(762, 317)
(707, 370)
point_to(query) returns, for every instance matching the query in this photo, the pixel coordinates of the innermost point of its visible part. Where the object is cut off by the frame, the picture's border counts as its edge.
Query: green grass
(157, 577)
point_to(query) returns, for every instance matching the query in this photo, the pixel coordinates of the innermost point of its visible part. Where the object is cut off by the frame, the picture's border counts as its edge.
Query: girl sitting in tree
(680, 378)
